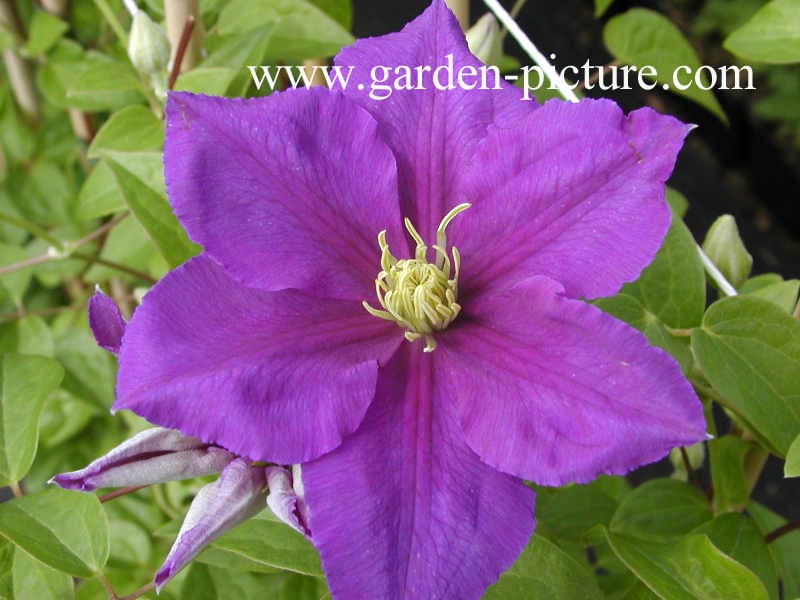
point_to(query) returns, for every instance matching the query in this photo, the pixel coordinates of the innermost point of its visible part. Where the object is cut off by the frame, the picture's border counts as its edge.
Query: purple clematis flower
(419, 380)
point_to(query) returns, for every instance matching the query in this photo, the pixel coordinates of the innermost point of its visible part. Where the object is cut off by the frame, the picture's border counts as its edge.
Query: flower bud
(286, 498)
(485, 41)
(238, 494)
(106, 322)
(154, 455)
(148, 47)
(726, 250)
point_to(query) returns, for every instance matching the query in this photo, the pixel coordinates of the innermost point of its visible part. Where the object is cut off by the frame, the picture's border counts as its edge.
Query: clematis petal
(284, 501)
(556, 391)
(238, 494)
(404, 509)
(575, 192)
(154, 455)
(287, 191)
(275, 376)
(433, 132)
(106, 322)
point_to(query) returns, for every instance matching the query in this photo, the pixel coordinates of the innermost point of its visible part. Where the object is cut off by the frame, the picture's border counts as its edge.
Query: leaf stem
(140, 592)
(64, 250)
(183, 44)
(176, 14)
(112, 595)
(113, 21)
(90, 259)
(120, 492)
(781, 531)
(530, 49)
(16, 489)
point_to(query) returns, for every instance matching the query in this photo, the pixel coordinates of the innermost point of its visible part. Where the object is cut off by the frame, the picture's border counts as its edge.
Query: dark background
(744, 169)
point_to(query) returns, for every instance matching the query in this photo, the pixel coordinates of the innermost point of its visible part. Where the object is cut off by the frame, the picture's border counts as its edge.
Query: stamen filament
(419, 296)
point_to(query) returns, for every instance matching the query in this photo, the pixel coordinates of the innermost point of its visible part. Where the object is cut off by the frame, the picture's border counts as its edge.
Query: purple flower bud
(238, 494)
(155, 455)
(106, 322)
(286, 498)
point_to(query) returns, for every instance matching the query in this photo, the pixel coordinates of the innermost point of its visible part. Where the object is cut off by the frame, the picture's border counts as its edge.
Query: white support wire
(541, 61)
(131, 6)
(530, 49)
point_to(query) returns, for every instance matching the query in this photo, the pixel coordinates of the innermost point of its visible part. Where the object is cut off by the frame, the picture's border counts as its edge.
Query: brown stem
(120, 492)
(183, 45)
(112, 595)
(30, 262)
(44, 312)
(20, 75)
(689, 470)
(122, 298)
(317, 76)
(16, 489)
(102, 230)
(114, 265)
(140, 592)
(781, 531)
(177, 13)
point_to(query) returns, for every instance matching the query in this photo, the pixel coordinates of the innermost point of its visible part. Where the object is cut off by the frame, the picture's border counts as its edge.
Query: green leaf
(131, 140)
(601, 6)
(25, 382)
(724, 246)
(65, 530)
(660, 509)
(688, 568)
(772, 35)
(89, 370)
(731, 491)
(301, 29)
(773, 288)
(34, 579)
(28, 335)
(64, 416)
(792, 466)
(672, 287)
(785, 550)
(105, 85)
(572, 511)
(44, 31)
(266, 541)
(126, 244)
(340, 10)
(213, 81)
(749, 349)
(236, 52)
(677, 202)
(7, 551)
(643, 37)
(670, 292)
(737, 536)
(16, 282)
(542, 572)
(629, 309)
(100, 195)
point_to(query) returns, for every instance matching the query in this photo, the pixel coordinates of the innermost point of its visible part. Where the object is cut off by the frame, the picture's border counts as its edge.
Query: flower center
(418, 295)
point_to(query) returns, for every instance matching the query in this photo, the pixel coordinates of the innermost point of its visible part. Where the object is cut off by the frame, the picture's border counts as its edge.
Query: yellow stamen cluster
(419, 296)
